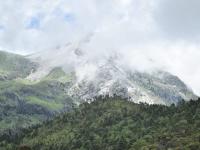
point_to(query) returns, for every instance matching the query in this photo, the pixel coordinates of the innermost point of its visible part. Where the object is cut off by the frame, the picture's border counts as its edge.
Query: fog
(144, 34)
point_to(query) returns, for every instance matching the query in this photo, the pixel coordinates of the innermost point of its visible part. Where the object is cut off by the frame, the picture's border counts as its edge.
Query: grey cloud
(179, 19)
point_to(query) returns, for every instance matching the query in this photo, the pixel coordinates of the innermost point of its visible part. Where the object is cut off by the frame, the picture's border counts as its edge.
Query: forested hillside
(114, 124)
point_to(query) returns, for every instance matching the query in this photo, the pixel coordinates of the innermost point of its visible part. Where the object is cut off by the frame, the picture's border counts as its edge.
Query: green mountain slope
(23, 105)
(56, 73)
(24, 102)
(115, 124)
(15, 66)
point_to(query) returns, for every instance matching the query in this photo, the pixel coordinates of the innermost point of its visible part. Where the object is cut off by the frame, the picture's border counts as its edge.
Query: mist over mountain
(110, 74)
(34, 89)
(145, 33)
(102, 75)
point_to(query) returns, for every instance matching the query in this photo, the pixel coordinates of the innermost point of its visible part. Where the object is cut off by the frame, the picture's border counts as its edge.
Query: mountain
(24, 102)
(14, 66)
(157, 87)
(108, 77)
(114, 124)
(33, 89)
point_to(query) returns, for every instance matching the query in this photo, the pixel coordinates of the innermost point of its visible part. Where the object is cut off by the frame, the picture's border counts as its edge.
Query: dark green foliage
(116, 124)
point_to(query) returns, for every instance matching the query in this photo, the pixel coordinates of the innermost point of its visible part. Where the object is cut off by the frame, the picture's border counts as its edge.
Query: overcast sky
(166, 32)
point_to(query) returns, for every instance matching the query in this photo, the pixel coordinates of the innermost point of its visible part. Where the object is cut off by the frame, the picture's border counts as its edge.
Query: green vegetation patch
(15, 66)
(58, 74)
(47, 104)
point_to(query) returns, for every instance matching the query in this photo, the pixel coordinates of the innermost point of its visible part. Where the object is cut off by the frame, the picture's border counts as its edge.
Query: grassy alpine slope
(115, 124)
(24, 102)
(15, 66)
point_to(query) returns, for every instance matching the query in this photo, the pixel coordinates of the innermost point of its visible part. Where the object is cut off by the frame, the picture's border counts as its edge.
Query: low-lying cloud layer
(146, 34)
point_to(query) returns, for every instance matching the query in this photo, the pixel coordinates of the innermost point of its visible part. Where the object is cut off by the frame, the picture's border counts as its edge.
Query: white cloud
(162, 31)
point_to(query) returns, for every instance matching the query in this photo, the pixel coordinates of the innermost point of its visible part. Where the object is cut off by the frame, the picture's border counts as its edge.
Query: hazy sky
(164, 32)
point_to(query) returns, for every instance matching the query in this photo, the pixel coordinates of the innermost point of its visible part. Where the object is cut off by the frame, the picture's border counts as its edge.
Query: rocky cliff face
(157, 87)
(108, 77)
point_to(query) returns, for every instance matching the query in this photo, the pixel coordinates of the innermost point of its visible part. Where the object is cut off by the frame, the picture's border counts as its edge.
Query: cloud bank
(146, 34)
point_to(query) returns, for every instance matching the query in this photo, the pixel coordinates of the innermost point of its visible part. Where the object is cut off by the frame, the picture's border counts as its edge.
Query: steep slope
(107, 76)
(24, 102)
(115, 124)
(157, 87)
(15, 66)
(27, 99)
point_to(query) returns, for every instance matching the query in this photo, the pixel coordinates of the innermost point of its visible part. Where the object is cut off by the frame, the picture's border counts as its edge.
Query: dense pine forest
(113, 124)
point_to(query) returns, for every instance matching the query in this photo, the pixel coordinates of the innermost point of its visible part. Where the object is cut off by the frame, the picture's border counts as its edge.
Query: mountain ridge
(24, 102)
